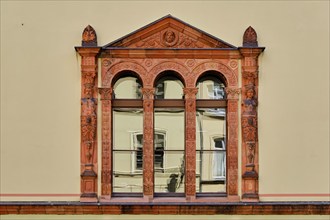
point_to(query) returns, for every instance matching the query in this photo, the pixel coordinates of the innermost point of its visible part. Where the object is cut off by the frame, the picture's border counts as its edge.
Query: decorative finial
(250, 38)
(89, 37)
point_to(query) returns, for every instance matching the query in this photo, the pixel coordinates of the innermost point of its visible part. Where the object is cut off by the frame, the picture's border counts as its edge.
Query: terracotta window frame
(191, 53)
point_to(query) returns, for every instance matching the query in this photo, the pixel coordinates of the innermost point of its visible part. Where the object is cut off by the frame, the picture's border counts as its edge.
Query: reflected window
(219, 158)
(159, 143)
(138, 143)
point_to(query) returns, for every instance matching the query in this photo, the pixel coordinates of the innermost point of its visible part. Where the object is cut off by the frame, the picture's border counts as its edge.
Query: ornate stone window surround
(170, 44)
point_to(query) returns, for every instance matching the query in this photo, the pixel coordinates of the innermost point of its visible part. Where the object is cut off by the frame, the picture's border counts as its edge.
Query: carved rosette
(148, 142)
(249, 115)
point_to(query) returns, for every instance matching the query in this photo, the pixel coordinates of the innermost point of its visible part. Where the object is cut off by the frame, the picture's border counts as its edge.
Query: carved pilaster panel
(88, 125)
(190, 167)
(232, 148)
(148, 142)
(106, 169)
(249, 115)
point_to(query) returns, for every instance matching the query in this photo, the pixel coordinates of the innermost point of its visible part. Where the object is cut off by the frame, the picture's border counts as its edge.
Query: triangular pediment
(169, 32)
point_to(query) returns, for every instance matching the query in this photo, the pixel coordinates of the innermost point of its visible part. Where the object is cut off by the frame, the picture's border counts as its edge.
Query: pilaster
(88, 126)
(190, 164)
(249, 115)
(106, 169)
(148, 142)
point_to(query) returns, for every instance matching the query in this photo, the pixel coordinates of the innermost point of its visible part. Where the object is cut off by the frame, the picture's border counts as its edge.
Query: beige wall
(40, 86)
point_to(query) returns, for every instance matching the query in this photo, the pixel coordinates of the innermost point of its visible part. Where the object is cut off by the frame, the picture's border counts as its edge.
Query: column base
(88, 197)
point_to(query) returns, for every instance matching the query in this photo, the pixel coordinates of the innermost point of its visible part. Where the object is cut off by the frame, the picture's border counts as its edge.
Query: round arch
(223, 70)
(119, 69)
(180, 71)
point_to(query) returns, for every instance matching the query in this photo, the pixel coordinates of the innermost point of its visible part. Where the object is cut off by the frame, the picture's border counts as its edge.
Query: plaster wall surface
(40, 88)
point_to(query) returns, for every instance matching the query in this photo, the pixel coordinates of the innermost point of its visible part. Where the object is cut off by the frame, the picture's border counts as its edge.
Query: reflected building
(169, 136)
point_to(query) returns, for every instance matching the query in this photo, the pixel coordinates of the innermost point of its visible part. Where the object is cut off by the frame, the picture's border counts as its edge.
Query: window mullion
(190, 149)
(148, 142)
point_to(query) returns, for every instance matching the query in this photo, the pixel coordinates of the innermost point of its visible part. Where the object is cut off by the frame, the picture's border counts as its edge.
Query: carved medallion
(170, 38)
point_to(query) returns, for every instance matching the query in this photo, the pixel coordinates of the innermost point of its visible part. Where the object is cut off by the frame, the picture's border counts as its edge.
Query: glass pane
(127, 149)
(169, 88)
(210, 89)
(171, 177)
(123, 179)
(210, 171)
(169, 145)
(127, 88)
(211, 149)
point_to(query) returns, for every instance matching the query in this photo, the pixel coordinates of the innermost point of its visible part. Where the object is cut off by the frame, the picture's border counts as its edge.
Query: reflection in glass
(127, 150)
(210, 89)
(169, 150)
(127, 88)
(211, 150)
(169, 88)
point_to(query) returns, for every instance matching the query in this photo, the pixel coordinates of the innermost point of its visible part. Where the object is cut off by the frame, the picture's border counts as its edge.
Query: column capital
(148, 93)
(190, 93)
(106, 93)
(233, 92)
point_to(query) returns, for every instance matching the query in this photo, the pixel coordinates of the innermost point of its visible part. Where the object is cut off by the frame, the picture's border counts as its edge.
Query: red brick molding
(77, 208)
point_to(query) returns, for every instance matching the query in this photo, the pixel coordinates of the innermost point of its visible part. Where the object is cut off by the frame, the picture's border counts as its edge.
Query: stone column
(106, 170)
(249, 115)
(88, 51)
(190, 130)
(148, 142)
(232, 145)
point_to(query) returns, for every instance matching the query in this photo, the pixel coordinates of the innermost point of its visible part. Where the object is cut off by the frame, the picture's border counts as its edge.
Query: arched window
(169, 145)
(127, 127)
(211, 129)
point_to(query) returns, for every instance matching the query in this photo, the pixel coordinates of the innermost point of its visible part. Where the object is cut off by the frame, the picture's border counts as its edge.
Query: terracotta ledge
(238, 208)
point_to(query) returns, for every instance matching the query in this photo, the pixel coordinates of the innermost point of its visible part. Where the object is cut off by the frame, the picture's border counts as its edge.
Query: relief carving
(89, 37)
(170, 38)
(250, 103)
(106, 93)
(250, 38)
(232, 93)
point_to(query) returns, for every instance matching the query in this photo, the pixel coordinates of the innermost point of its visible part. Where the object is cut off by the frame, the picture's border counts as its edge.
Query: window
(148, 85)
(169, 152)
(211, 135)
(127, 116)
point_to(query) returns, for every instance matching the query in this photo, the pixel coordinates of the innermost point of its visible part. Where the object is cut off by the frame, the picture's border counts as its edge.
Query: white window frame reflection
(219, 162)
(136, 145)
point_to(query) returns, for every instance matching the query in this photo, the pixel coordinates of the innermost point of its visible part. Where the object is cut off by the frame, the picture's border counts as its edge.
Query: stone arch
(114, 71)
(180, 69)
(229, 75)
